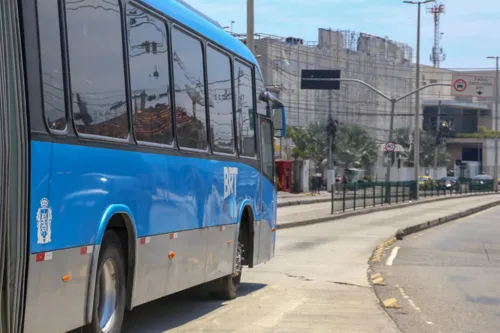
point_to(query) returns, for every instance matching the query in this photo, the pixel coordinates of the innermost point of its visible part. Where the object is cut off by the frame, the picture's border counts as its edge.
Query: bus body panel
(267, 223)
(165, 193)
(182, 213)
(188, 207)
(51, 304)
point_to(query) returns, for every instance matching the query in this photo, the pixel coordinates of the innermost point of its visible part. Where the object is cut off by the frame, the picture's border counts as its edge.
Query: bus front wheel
(228, 286)
(109, 298)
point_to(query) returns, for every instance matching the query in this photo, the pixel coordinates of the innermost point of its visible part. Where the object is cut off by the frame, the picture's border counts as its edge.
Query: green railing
(353, 196)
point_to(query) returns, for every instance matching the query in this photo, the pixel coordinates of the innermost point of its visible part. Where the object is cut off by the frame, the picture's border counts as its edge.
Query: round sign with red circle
(460, 85)
(390, 146)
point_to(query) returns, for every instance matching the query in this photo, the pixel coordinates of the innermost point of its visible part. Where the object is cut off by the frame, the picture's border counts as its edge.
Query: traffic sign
(320, 79)
(472, 86)
(390, 146)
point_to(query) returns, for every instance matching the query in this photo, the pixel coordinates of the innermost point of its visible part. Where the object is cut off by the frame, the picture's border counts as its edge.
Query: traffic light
(331, 129)
(442, 131)
(155, 47)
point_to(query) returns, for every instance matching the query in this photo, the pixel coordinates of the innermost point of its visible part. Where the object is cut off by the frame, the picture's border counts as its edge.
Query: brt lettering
(230, 175)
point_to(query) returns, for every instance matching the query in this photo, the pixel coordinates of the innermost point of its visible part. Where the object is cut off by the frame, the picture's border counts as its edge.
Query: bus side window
(245, 112)
(189, 91)
(221, 107)
(149, 77)
(259, 89)
(54, 101)
(96, 66)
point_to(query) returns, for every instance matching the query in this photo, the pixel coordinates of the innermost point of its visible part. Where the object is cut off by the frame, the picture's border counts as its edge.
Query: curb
(302, 202)
(376, 279)
(401, 233)
(379, 250)
(340, 216)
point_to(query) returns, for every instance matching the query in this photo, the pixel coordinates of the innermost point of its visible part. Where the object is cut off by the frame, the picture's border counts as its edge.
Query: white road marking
(413, 305)
(393, 255)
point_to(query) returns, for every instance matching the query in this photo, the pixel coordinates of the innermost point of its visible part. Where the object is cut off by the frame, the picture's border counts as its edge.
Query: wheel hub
(108, 294)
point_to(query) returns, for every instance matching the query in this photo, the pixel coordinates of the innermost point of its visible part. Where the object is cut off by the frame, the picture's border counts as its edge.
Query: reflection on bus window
(189, 91)
(54, 102)
(149, 74)
(221, 111)
(96, 66)
(245, 112)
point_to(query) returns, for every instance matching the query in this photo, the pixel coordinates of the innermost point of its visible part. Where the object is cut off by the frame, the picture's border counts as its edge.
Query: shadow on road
(176, 310)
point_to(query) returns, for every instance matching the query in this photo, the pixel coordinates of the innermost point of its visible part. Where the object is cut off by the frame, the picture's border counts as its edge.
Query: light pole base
(330, 179)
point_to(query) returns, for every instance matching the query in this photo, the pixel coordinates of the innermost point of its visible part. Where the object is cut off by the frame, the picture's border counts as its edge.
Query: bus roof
(197, 21)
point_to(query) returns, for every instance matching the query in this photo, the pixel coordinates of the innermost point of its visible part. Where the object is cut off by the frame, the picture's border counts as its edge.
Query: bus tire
(109, 298)
(229, 285)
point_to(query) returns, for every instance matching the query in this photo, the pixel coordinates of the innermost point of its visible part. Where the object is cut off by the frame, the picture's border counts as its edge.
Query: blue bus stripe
(85, 186)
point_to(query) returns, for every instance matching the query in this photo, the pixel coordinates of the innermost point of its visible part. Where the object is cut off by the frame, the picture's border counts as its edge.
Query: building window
(54, 102)
(245, 112)
(96, 65)
(149, 77)
(189, 81)
(221, 106)
(260, 89)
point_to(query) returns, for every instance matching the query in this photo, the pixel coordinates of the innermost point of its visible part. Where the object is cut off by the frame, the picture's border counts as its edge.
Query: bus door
(268, 193)
(14, 169)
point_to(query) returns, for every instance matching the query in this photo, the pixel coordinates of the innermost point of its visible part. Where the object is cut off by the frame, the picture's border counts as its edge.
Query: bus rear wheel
(109, 298)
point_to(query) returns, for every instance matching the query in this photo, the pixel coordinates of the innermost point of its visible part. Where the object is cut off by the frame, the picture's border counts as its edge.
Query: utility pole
(392, 100)
(438, 125)
(391, 134)
(250, 25)
(330, 173)
(495, 126)
(416, 136)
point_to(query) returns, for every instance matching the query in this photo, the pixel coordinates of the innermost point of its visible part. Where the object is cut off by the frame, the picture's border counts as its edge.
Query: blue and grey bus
(136, 160)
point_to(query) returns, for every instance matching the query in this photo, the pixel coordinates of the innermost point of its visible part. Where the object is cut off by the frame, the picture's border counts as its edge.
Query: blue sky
(469, 27)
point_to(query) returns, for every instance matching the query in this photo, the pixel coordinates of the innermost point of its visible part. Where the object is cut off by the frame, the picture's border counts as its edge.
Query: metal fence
(355, 196)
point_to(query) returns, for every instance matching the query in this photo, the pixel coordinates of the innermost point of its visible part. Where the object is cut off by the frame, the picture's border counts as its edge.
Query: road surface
(447, 279)
(316, 283)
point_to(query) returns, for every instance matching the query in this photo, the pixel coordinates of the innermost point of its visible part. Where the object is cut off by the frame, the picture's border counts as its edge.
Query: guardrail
(370, 194)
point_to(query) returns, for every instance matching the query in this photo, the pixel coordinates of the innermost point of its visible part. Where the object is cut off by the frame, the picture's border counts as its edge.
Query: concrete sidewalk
(298, 215)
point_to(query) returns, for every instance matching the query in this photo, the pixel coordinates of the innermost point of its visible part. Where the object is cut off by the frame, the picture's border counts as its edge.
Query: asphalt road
(447, 279)
(317, 283)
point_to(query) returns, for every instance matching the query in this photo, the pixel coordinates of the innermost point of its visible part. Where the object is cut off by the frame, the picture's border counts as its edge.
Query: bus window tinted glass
(267, 141)
(259, 89)
(51, 59)
(96, 65)
(221, 108)
(189, 91)
(149, 74)
(245, 115)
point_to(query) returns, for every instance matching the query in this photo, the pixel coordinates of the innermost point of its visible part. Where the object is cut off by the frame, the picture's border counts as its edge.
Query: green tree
(354, 148)
(404, 137)
(299, 137)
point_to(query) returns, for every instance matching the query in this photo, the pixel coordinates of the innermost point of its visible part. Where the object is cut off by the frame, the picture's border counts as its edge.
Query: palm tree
(404, 137)
(355, 148)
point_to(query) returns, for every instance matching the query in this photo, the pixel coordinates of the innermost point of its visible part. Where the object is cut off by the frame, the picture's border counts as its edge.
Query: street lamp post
(416, 144)
(495, 126)
(250, 25)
